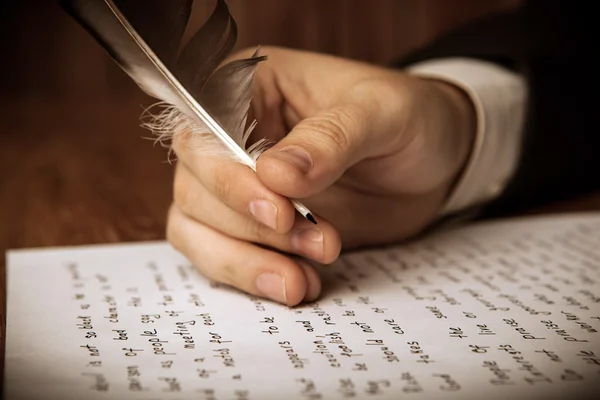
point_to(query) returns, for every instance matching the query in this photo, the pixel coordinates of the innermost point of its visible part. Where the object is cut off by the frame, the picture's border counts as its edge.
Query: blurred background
(47, 54)
(73, 166)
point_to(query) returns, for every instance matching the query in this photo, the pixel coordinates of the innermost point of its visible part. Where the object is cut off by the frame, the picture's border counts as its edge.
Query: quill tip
(311, 218)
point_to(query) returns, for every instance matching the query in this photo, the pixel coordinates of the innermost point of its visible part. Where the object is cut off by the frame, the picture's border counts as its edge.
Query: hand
(373, 152)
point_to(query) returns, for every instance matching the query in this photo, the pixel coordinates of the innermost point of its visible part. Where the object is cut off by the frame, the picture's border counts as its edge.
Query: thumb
(319, 149)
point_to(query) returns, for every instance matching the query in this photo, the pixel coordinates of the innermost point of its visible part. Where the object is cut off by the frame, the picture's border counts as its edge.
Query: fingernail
(265, 212)
(308, 242)
(272, 286)
(313, 282)
(297, 157)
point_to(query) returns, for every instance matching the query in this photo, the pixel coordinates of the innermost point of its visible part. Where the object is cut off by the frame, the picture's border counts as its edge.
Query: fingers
(320, 148)
(318, 242)
(236, 186)
(315, 153)
(247, 267)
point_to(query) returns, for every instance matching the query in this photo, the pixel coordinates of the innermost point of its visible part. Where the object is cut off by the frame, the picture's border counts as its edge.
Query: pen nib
(311, 218)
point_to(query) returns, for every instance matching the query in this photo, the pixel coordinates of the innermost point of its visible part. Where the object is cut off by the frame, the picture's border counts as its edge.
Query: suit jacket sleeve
(550, 43)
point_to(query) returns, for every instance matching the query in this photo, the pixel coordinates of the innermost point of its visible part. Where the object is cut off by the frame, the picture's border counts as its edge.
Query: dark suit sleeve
(550, 43)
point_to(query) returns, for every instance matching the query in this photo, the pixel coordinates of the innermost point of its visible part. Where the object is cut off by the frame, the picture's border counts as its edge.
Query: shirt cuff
(499, 97)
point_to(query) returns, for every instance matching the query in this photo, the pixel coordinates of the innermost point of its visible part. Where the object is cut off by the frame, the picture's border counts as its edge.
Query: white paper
(499, 310)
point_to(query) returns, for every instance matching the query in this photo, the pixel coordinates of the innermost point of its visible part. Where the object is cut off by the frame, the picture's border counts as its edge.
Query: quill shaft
(192, 105)
(107, 23)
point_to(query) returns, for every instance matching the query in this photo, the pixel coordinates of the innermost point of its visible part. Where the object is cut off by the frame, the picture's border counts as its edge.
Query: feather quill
(198, 97)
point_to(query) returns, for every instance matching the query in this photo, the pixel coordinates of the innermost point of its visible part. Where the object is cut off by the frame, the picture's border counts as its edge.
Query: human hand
(373, 152)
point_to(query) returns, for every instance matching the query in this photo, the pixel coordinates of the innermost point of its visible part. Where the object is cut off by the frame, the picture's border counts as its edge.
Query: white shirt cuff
(499, 97)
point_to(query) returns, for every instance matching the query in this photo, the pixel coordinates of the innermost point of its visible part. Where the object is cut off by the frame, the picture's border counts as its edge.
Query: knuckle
(182, 192)
(256, 232)
(222, 185)
(333, 131)
(337, 128)
(226, 273)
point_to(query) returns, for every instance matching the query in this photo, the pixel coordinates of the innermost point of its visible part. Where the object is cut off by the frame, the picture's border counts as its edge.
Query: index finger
(235, 184)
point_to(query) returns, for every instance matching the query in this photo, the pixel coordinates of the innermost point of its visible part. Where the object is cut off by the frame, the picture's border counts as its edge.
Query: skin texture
(373, 152)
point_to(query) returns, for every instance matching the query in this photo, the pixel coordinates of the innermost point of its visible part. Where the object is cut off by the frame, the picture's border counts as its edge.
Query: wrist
(455, 127)
(498, 96)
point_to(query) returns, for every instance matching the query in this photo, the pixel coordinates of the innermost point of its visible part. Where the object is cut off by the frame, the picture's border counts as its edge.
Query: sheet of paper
(502, 310)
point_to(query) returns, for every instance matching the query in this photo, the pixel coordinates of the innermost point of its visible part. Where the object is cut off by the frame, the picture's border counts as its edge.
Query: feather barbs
(197, 98)
(168, 124)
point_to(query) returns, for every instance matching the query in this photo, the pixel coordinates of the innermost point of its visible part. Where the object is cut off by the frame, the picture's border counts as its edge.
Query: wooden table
(79, 173)
(73, 174)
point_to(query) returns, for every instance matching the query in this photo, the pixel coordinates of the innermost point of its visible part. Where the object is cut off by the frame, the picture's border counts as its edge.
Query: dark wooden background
(73, 166)
(45, 54)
